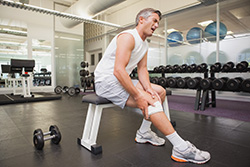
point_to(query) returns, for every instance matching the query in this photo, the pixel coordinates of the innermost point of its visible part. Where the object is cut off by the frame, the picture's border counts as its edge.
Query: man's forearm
(143, 76)
(125, 80)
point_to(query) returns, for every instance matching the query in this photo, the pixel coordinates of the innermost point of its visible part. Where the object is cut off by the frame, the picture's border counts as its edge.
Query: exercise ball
(175, 38)
(195, 35)
(210, 31)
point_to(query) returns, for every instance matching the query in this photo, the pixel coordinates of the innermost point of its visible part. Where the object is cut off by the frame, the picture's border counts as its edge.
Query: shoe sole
(184, 160)
(148, 141)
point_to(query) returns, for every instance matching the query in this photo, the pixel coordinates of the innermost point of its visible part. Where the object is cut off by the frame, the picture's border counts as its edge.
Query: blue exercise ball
(210, 31)
(195, 35)
(175, 38)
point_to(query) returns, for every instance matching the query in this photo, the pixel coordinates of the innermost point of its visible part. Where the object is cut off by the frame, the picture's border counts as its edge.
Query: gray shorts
(112, 90)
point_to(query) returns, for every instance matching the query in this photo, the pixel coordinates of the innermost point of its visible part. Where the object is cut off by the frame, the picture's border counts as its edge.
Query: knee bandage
(155, 109)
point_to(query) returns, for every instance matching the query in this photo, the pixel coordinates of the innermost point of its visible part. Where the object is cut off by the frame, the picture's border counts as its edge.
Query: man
(127, 50)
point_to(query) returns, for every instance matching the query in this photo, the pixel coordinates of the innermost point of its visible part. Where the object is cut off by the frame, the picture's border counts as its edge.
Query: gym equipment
(168, 69)
(215, 67)
(194, 83)
(192, 68)
(234, 84)
(195, 35)
(154, 80)
(71, 91)
(84, 64)
(182, 82)
(202, 67)
(156, 70)
(206, 83)
(245, 86)
(23, 67)
(210, 31)
(228, 67)
(96, 105)
(242, 66)
(163, 82)
(39, 139)
(172, 82)
(220, 83)
(184, 67)
(175, 39)
(84, 72)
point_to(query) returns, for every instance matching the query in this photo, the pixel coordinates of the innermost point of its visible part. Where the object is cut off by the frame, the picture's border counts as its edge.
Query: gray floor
(227, 140)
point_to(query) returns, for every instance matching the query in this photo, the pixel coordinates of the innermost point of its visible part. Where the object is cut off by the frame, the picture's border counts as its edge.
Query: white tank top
(105, 67)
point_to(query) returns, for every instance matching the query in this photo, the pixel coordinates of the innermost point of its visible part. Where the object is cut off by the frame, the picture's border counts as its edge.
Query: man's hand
(142, 103)
(154, 94)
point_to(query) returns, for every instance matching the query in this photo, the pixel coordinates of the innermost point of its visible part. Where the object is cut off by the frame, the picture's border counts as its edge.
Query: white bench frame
(93, 119)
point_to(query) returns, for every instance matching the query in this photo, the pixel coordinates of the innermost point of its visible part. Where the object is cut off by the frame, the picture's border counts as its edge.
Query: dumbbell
(39, 139)
(84, 64)
(154, 80)
(156, 70)
(192, 68)
(228, 67)
(242, 66)
(215, 67)
(206, 83)
(59, 89)
(184, 67)
(220, 83)
(161, 68)
(163, 82)
(168, 69)
(194, 83)
(84, 73)
(234, 84)
(72, 91)
(202, 67)
(182, 82)
(245, 86)
(172, 82)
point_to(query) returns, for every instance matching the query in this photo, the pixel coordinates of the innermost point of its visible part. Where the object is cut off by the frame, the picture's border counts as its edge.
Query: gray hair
(145, 13)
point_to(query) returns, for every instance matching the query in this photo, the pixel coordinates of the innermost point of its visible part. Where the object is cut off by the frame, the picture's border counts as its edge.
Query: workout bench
(96, 105)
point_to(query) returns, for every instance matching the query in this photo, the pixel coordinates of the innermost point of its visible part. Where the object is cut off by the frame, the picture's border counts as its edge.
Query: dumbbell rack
(205, 97)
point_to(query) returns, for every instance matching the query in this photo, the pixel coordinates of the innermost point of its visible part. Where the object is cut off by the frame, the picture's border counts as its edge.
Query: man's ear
(141, 19)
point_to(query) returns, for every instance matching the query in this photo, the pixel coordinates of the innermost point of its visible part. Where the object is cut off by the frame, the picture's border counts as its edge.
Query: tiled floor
(227, 140)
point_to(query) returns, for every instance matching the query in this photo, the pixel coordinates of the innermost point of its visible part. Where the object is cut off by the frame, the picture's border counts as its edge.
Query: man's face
(151, 24)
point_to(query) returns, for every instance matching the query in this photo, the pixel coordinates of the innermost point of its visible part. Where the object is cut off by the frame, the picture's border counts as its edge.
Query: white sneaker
(191, 154)
(149, 137)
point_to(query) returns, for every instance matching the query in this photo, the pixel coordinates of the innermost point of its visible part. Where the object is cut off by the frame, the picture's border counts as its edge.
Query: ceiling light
(205, 23)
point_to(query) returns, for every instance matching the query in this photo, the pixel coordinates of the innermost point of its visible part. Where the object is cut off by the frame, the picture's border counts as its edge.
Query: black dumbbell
(161, 68)
(206, 83)
(220, 83)
(228, 67)
(39, 139)
(202, 67)
(58, 90)
(172, 82)
(184, 68)
(194, 83)
(168, 69)
(163, 82)
(154, 80)
(192, 68)
(234, 84)
(245, 86)
(215, 67)
(84, 64)
(182, 82)
(156, 70)
(242, 66)
(175, 68)
(84, 73)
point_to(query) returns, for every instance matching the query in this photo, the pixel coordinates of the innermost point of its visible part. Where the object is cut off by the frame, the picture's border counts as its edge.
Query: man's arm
(125, 45)
(143, 75)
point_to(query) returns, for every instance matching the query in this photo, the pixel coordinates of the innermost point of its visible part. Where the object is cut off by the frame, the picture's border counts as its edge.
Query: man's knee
(155, 109)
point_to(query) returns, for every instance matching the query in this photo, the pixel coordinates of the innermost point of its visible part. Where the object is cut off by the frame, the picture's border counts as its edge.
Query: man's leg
(145, 134)
(183, 151)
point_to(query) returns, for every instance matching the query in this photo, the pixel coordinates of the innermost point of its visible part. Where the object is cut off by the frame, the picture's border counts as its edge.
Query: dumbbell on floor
(39, 139)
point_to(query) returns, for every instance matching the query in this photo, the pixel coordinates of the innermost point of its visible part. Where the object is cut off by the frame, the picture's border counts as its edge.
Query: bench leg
(91, 128)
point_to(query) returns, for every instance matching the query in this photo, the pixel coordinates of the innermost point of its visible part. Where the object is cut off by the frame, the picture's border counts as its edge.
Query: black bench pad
(94, 99)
